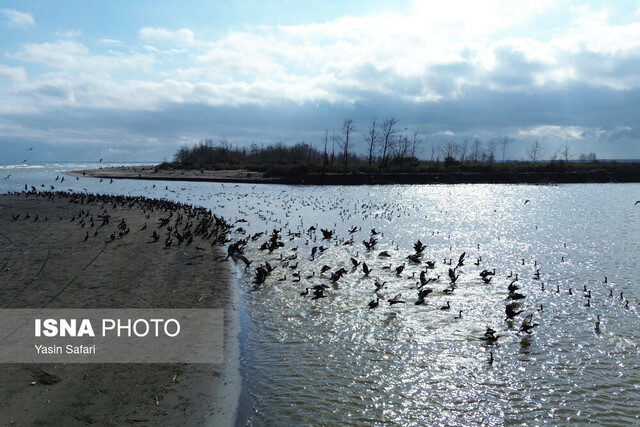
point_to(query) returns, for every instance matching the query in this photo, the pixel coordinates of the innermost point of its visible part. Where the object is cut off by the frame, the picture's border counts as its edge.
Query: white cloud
(183, 36)
(113, 42)
(75, 57)
(18, 19)
(556, 132)
(12, 74)
(69, 34)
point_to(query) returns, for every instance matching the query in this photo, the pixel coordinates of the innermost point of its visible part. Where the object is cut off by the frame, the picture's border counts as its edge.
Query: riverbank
(56, 252)
(589, 175)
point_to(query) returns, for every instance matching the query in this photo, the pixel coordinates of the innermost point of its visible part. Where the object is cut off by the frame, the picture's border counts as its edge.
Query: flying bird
(527, 324)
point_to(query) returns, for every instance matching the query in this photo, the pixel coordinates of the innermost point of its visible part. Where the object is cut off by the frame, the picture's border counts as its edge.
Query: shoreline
(47, 260)
(596, 175)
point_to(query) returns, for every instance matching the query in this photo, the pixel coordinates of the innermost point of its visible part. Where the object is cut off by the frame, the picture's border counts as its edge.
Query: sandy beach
(56, 252)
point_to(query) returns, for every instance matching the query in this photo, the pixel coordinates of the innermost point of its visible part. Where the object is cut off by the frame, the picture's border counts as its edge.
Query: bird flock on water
(427, 282)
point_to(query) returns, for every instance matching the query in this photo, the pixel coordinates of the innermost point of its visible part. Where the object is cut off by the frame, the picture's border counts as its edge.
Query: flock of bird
(275, 260)
(180, 224)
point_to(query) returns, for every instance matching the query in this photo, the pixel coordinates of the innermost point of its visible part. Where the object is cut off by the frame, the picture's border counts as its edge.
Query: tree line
(388, 147)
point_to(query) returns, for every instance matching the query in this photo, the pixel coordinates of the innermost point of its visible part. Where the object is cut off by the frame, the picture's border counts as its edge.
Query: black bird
(461, 260)
(515, 295)
(510, 311)
(365, 269)
(597, 327)
(305, 293)
(399, 270)
(318, 293)
(423, 293)
(452, 275)
(527, 324)
(326, 234)
(486, 273)
(459, 316)
(490, 361)
(489, 336)
(446, 307)
(374, 304)
(396, 300)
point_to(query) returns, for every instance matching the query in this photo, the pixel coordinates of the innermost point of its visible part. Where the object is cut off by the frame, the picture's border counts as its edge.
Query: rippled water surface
(335, 361)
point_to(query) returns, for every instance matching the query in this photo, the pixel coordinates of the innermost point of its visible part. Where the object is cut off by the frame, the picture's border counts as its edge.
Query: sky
(136, 80)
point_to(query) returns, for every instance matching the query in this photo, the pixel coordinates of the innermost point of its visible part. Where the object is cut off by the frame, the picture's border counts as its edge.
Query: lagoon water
(335, 361)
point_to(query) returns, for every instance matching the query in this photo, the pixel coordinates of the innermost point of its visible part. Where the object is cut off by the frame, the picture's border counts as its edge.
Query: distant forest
(388, 148)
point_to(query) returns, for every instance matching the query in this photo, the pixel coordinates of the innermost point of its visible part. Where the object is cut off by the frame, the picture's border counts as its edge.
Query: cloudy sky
(135, 80)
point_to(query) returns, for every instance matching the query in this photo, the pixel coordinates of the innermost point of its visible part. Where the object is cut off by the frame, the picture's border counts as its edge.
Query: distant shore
(593, 175)
(55, 255)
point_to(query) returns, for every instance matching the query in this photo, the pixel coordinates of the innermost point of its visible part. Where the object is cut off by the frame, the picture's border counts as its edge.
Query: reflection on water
(335, 361)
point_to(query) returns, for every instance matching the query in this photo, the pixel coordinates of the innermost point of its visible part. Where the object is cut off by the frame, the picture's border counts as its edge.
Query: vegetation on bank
(388, 151)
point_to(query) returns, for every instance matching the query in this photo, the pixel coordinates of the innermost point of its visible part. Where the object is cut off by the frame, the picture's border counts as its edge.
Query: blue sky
(135, 80)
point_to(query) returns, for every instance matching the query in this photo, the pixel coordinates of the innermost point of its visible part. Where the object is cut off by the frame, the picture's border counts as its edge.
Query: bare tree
(334, 139)
(588, 157)
(401, 150)
(503, 145)
(347, 129)
(388, 136)
(565, 152)
(534, 151)
(309, 154)
(450, 151)
(434, 149)
(491, 151)
(415, 142)
(325, 156)
(463, 150)
(476, 150)
(372, 139)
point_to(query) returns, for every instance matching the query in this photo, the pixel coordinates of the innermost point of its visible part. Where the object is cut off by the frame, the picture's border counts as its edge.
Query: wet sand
(154, 173)
(47, 260)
